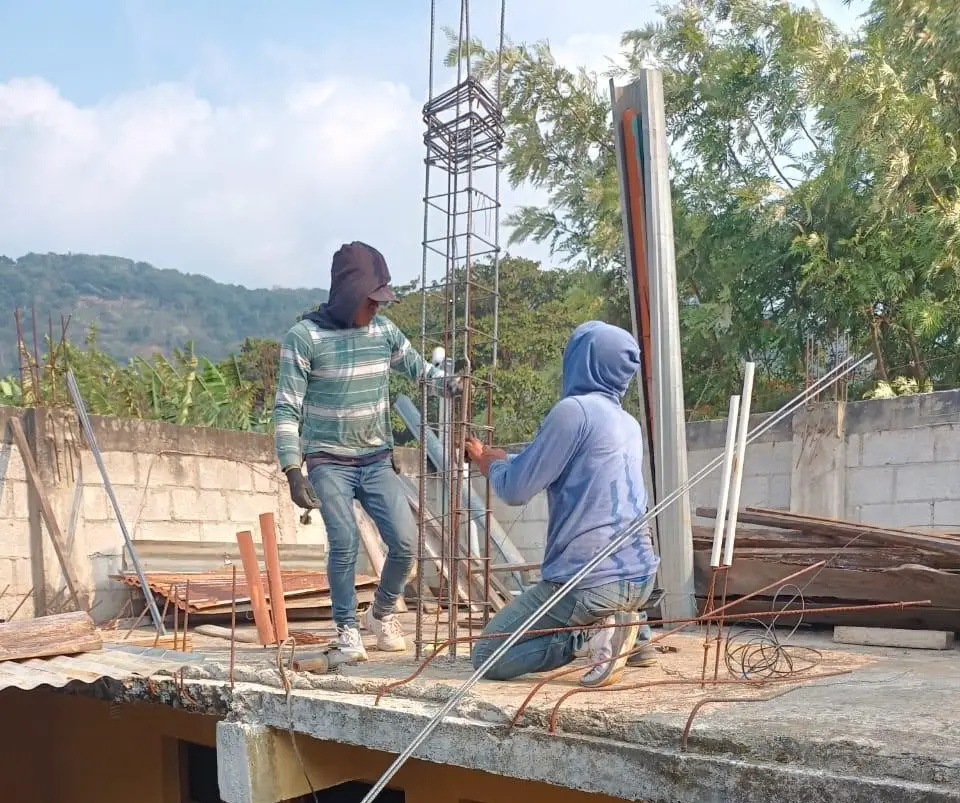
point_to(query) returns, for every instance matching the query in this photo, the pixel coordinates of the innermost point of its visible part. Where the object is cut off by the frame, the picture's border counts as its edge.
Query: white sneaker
(389, 631)
(608, 645)
(595, 639)
(350, 644)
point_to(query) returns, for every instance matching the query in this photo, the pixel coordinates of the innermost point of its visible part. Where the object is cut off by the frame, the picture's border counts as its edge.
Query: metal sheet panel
(205, 556)
(117, 663)
(212, 591)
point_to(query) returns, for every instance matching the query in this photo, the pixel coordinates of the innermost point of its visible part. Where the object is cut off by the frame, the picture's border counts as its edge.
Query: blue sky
(244, 140)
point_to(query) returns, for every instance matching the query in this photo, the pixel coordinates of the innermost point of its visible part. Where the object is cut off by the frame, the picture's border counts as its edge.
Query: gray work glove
(453, 386)
(301, 491)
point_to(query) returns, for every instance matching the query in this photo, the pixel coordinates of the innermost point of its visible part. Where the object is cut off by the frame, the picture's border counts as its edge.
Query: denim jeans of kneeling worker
(579, 607)
(380, 492)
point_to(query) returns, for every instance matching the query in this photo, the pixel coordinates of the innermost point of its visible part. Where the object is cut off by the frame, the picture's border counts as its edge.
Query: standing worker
(333, 398)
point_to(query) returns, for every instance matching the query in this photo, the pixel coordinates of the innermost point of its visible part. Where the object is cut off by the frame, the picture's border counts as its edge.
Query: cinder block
(266, 477)
(95, 505)
(224, 475)
(946, 513)
(14, 499)
(764, 459)
(218, 531)
(167, 470)
(779, 491)
(529, 535)
(892, 637)
(312, 533)
(870, 486)
(11, 463)
(896, 448)
(536, 509)
(186, 504)
(213, 506)
(698, 458)
(14, 539)
(155, 505)
(928, 481)
(245, 508)
(102, 566)
(755, 492)
(102, 537)
(170, 531)
(853, 451)
(898, 514)
(121, 467)
(946, 446)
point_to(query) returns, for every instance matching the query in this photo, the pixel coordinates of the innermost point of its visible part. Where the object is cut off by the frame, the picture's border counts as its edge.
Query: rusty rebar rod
(799, 678)
(701, 703)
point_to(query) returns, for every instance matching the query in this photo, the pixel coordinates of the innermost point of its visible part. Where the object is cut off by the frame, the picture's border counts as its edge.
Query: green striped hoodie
(332, 388)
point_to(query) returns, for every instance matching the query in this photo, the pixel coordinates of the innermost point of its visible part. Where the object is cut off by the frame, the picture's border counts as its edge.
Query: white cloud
(257, 192)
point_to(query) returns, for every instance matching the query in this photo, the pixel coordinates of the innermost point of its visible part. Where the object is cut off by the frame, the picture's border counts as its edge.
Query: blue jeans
(380, 493)
(543, 653)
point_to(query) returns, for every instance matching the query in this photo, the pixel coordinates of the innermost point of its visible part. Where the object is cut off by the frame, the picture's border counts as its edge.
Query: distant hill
(138, 308)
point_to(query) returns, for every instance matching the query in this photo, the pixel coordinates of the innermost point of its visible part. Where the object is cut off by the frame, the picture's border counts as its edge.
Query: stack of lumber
(46, 636)
(866, 563)
(306, 593)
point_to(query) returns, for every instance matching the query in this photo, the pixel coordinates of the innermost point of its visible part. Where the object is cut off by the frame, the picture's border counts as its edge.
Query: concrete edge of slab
(591, 763)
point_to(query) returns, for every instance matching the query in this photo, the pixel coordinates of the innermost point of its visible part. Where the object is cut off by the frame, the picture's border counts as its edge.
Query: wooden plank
(919, 618)
(896, 584)
(149, 639)
(893, 637)
(843, 531)
(251, 570)
(62, 634)
(46, 511)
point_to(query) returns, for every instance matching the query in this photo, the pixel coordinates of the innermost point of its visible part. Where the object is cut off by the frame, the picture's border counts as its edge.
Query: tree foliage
(813, 174)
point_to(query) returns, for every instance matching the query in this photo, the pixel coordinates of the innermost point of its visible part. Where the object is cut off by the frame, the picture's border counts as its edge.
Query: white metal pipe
(733, 416)
(736, 483)
(633, 529)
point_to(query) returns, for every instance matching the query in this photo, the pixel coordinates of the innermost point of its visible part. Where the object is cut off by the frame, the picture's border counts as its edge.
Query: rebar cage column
(464, 136)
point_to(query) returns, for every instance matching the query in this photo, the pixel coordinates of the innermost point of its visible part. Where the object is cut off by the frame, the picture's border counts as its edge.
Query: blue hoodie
(588, 455)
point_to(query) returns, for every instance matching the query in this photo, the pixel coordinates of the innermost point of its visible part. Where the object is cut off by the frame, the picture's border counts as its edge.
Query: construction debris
(891, 637)
(62, 634)
(210, 592)
(843, 531)
(873, 569)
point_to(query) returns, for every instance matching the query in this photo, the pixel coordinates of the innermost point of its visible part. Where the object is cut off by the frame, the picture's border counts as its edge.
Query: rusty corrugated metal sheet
(211, 591)
(117, 663)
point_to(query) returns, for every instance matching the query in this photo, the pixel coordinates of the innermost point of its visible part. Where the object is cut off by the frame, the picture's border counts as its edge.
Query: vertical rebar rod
(422, 479)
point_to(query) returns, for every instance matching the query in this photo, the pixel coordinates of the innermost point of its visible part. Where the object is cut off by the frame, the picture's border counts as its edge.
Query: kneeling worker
(588, 456)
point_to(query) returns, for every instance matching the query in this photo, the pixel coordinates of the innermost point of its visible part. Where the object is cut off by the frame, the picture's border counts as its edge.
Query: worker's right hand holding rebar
(473, 449)
(301, 491)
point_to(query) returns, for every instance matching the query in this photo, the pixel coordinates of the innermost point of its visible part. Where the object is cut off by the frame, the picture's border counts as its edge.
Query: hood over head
(358, 272)
(599, 358)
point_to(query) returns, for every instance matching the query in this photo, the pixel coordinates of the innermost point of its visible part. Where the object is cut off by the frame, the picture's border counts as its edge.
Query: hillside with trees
(140, 309)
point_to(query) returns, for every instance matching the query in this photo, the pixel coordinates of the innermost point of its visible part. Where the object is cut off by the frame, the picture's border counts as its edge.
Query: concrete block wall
(903, 461)
(16, 577)
(171, 483)
(888, 461)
